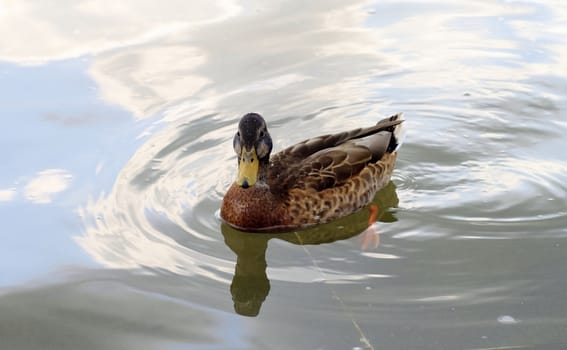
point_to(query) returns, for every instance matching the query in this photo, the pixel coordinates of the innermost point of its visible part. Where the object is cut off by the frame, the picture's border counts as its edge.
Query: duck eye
(262, 134)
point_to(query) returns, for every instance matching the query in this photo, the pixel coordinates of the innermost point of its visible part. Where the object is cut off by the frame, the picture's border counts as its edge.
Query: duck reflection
(250, 285)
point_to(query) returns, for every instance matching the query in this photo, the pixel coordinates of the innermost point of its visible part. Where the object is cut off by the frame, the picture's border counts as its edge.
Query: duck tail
(398, 131)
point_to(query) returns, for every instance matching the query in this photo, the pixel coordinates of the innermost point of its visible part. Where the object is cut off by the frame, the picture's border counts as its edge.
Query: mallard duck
(312, 182)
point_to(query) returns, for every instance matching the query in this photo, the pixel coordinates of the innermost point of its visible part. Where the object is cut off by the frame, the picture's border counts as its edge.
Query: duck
(312, 182)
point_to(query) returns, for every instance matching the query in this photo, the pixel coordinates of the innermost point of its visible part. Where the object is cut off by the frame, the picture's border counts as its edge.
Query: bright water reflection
(116, 148)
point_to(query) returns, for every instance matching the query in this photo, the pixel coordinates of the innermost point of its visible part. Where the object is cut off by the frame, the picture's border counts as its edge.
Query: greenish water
(117, 121)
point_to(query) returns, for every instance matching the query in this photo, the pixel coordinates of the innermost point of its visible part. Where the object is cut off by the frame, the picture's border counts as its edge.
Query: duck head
(252, 144)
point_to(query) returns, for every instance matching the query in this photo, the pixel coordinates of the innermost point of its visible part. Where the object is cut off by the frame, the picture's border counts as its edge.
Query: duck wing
(331, 160)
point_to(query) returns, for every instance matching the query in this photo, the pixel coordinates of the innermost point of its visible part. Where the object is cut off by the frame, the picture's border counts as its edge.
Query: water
(116, 133)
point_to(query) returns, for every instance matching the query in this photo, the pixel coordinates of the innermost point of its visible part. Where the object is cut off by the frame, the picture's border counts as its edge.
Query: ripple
(161, 217)
(148, 220)
(162, 214)
(520, 195)
(482, 172)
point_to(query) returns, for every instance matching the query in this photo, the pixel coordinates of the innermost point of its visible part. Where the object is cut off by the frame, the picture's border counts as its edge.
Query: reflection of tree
(250, 284)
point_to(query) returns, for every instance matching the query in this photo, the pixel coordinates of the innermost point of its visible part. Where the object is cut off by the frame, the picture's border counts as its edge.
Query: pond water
(117, 121)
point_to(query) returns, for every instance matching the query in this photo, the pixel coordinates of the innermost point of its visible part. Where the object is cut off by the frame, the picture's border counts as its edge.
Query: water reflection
(112, 309)
(250, 285)
(46, 184)
(88, 28)
(484, 84)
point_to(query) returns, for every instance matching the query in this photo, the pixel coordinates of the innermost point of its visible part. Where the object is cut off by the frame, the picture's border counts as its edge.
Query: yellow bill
(248, 168)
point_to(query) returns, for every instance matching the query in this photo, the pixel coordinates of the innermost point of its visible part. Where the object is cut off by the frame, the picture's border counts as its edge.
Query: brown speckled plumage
(314, 181)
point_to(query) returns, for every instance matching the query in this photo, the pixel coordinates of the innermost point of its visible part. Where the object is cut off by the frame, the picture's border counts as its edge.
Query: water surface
(117, 121)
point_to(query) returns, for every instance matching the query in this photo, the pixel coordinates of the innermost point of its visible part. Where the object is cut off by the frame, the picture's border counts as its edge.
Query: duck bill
(247, 168)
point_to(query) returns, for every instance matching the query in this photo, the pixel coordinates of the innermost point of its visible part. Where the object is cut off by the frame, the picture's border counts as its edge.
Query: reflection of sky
(50, 108)
(87, 179)
(7, 195)
(55, 131)
(68, 100)
(77, 28)
(46, 184)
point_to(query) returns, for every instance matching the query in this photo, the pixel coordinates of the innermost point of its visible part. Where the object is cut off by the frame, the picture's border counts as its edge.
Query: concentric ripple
(481, 188)
(162, 213)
